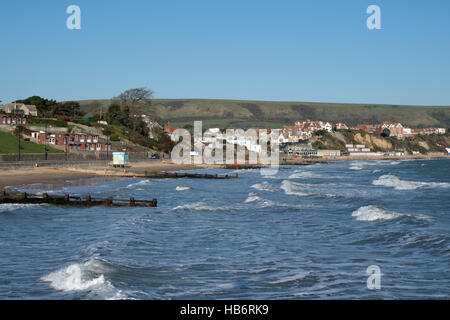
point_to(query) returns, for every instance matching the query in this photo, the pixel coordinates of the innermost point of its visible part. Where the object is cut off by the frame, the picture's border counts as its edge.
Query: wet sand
(65, 176)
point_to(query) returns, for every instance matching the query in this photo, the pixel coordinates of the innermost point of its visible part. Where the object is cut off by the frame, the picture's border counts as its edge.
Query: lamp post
(45, 140)
(19, 139)
(65, 143)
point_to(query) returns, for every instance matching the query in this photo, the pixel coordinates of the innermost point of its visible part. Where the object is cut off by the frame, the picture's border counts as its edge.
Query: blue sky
(262, 50)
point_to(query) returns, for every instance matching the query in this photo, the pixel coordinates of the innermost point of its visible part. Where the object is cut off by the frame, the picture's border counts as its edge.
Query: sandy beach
(92, 174)
(60, 176)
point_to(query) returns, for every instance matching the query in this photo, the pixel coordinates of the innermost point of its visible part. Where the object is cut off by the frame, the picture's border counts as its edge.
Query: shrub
(83, 122)
(114, 137)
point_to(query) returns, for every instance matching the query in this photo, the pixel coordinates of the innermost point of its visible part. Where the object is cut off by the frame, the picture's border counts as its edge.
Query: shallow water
(309, 232)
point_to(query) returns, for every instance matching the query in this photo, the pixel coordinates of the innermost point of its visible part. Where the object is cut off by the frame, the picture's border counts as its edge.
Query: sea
(303, 232)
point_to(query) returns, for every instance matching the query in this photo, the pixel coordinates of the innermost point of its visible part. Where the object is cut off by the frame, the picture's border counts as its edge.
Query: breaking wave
(139, 184)
(201, 206)
(88, 276)
(182, 188)
(265, 186)
(374, 213)
(252, 198)
(289, 279)
(304, 175)
(11, 207)
(356, 166)
(399, 184)
(292, 188)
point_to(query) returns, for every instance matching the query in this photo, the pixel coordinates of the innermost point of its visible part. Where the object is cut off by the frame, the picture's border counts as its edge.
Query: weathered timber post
(45, 196)
(66, 198)
(155, 202)
(109, 201)
(88, 198)
(132, 202)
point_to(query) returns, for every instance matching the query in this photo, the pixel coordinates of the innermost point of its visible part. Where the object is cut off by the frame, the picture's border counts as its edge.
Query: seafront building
(70, 142)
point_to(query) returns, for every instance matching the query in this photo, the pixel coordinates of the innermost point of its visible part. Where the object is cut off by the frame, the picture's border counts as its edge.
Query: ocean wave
(201, 206)
(374, 213)
(293, 278)
(252, 197)
(298, 174)
(292, 188)
(264, 186)
(11, 207)
(138, 184)
(399, 184)
(89, 276)
(356, 166)
(178, 188)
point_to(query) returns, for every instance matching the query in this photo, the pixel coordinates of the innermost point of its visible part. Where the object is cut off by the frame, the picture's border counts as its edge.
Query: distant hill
(258, 114)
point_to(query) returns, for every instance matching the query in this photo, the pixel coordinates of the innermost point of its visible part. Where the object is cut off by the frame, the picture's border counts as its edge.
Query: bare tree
(96, 106)
(133, 98)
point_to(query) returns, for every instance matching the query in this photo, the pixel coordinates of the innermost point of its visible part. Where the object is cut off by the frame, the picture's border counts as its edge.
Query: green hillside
(9, 144)
(246, 114)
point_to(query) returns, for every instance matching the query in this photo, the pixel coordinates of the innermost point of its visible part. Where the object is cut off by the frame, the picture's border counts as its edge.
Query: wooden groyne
(69, 200)
(171, 175)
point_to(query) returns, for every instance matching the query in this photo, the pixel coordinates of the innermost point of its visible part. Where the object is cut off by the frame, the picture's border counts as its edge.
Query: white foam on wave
(178, 188)
(253, 198)
(293, 278)
(298, 174)
(201, 206)
(395, 182)
(356, 166)
(138, 184)
(84, 277)
(377, 171)
(264, 186)
(292, 188)
(374, 213)
(11, 207)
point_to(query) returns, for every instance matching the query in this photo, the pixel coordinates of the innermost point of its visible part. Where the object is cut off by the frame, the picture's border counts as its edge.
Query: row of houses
(398, 130)
(304, 129)
(70, 142)
(7, 119)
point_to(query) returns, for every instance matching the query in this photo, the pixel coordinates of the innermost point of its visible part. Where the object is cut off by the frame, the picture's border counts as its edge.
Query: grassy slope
(9, 144)
(245, 114)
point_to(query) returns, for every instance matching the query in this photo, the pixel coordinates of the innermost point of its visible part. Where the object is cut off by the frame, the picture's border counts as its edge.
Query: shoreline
(70, 176)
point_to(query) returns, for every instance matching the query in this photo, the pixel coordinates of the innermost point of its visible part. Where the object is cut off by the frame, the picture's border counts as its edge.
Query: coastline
(63, 176)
